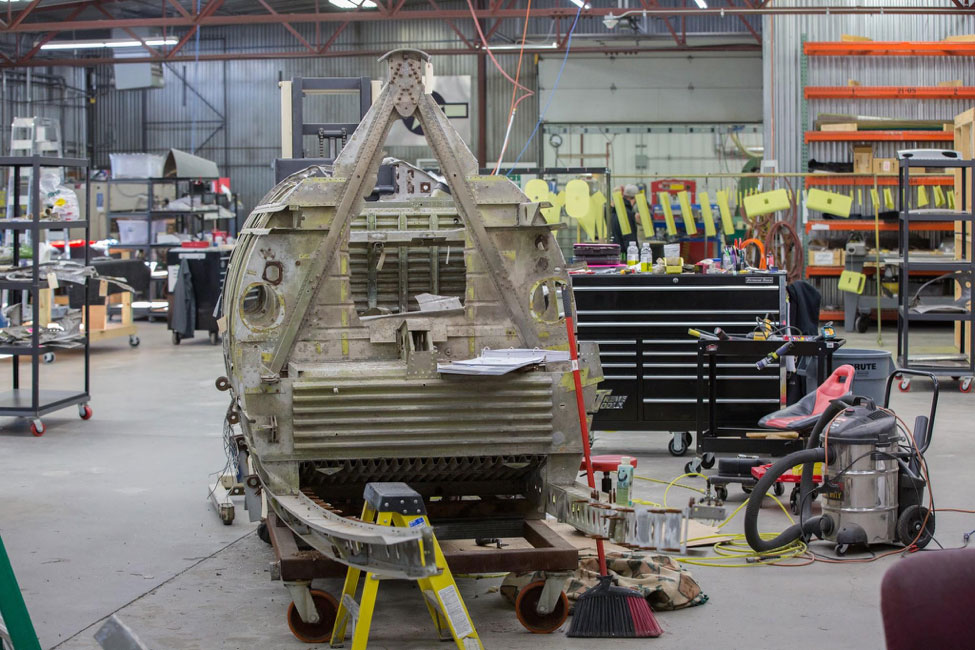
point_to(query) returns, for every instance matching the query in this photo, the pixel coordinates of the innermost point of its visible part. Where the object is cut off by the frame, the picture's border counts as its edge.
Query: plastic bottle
(646, 261)
(624, 479)
(726, 259)
(632, 254)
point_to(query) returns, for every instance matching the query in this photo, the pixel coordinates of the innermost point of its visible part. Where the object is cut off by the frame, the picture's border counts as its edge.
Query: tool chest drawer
(650, 361)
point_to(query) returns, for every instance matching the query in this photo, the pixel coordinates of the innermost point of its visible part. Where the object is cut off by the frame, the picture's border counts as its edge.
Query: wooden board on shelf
(813, 180)
(878, 136)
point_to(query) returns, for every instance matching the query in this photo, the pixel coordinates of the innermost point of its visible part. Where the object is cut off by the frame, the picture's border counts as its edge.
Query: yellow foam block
(664, 199)
(621, 213)
(594, 223)
(766, 203)
(875, 199)
(852, 282)
(922, 197)
(829, 202)
(646, 221)
(727, 224)
(577, 198)
(686, 213)
(706, 215)
(888, 198)
(951, 200)
(939, 197)
(860, 197)
(537, 190)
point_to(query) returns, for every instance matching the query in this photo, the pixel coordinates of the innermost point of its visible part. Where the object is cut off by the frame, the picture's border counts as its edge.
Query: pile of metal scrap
(64, 271)
(64, 333)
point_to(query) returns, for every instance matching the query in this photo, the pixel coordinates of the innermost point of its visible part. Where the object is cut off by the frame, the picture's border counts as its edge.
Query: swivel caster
(320, 632)
(679, 443)
(966, 385)
(778, 489)
(862, 323)
(134, 340)
(84, 411)
(841, 549)
(693, 466)
(904, 385)
(176, 338)
(707, 460)
(48, 357)
(794, 500)
(526, 608)
(37, 427)
(721, 492)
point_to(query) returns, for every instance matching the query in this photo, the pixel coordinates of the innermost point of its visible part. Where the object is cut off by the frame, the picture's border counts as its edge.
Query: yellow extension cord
(736, 547)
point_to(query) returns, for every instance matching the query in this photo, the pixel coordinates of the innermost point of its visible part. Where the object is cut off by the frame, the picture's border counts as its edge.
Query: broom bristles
(605, 611)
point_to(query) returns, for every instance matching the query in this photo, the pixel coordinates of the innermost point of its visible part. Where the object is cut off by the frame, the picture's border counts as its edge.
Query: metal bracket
(551, 592)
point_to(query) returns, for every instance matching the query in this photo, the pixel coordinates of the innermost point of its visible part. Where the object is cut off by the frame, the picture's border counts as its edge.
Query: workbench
(649, 360)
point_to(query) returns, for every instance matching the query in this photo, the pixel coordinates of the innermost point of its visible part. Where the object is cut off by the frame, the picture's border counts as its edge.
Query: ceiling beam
(50, 35)
(287, 26)
(398, 13)
(300, 54)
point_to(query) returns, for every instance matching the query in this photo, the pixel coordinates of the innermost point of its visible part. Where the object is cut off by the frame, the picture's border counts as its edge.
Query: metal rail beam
(398, 13)
(241, 56)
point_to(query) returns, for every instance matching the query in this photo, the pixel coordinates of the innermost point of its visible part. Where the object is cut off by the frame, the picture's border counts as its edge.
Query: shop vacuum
(872, 485)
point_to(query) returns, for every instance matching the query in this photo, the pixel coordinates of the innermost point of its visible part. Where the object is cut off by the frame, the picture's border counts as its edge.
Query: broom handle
(581, 407)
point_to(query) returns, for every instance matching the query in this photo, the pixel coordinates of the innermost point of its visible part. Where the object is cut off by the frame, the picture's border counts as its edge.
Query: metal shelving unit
(953, 365)
(35, 401)
(187, 219)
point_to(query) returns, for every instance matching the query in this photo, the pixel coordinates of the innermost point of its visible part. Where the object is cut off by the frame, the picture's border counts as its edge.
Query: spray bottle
(624, 480)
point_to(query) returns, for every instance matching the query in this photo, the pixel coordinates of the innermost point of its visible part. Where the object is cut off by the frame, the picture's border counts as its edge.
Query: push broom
(604, 611)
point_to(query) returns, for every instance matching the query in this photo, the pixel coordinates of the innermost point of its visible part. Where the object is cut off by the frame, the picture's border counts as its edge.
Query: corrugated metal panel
(54, 92)
(782, 73)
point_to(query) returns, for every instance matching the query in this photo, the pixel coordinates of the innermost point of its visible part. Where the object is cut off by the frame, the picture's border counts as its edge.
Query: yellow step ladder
(397, 504)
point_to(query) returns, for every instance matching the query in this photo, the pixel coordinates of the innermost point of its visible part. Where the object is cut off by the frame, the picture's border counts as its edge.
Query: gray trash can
(872, 369)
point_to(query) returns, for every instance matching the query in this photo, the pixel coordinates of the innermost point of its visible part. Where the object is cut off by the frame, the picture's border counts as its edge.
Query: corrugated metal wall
(782, 74)
(45, 92)
(158, 119)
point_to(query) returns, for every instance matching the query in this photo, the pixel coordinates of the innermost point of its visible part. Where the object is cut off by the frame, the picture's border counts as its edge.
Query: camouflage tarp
(662, 581)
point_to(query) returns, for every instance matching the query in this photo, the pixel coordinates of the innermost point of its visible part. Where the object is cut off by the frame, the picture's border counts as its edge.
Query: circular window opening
(259, 306)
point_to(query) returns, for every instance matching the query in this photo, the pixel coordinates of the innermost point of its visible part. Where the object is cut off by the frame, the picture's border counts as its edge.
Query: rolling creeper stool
(397, 504)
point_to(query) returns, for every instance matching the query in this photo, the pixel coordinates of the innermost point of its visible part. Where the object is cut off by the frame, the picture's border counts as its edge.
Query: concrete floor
(110, 515)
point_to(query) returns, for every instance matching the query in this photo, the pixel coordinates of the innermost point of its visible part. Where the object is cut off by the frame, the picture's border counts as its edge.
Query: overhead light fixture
(88, 45)
(528, 46)
(701, 4)
(353, 4)
(581, 3)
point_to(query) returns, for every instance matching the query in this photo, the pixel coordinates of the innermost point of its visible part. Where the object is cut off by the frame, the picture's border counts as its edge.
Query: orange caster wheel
(904, 385)
(529, 617)
(37, 428)
(320, 632)
(84, 411)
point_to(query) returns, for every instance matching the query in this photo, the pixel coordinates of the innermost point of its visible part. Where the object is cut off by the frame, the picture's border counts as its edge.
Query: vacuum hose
(808, 458)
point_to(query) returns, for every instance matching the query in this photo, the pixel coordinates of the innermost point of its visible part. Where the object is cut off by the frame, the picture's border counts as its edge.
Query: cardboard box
(886, 166)
(863, 159)
(829, 257)
(842, 126)
(954, 83)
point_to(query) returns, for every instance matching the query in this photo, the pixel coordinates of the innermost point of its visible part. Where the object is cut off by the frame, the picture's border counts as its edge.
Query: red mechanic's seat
(606, 463)
(804, 413)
